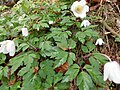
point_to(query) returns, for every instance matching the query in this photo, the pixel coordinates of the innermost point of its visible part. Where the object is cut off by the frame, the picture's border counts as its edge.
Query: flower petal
(86, 8)
(11, 48)
(106, 71)
(115, 72)
(24, 31)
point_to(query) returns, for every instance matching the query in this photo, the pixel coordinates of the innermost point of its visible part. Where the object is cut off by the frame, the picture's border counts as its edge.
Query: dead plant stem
(109, 28)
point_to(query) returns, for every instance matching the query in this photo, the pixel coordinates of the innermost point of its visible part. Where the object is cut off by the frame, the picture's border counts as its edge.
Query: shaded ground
(109, 27)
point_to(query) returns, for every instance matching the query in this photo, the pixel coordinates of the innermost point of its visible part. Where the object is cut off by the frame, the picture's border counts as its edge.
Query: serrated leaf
(57, 78)
(96, 75)
(94, 62)
(25, 6)
(61, 57)
(71, 73)
(84, 81)
(81, 36)
(16, 62)
(84, 49)
(71, 44)
(44, 25)
(102, 59)
(90, 46)
(46, 69)
(71, 58)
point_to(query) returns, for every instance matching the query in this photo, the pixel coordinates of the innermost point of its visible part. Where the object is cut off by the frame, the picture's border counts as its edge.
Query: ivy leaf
(84, 81)
(71, 73)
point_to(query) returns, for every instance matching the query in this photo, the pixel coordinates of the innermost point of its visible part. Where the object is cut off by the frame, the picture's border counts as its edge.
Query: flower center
(79, 9)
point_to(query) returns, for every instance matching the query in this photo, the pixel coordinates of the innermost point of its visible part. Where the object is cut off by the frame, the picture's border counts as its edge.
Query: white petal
(106, 71)
(11, 48)
(86, 8)
(50, 22)
(4, 50)
(1, 50)
(3, 47)
(115, 72)
(99, 42)
(85, 23)
(83, 11)
(83, 15)
(74, 5)
(24, 31)
(83, 2)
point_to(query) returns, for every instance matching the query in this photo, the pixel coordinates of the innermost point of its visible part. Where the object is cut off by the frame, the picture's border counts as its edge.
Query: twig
(109, 28)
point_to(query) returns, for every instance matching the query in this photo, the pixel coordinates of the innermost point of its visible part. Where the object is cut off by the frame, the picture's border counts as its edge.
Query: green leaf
(84, 81)
(57, 78)
(16, 86)
(71, 58)
(16, 62)
(117, 39)
(90, 46)
(95, 74)
(62, 86)
(44, 25)
(62, 58)
(71, 73)
(94, 63)
(91, 33)
(84, 49)
(31, 81)
(89, 27)
(71, 44)
(26, 6)
(46, 69)
(81, 36)
(23, 46)
(36, 26)
(102, 59)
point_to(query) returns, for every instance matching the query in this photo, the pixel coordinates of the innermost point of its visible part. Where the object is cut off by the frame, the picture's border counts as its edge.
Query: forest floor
(109, 26)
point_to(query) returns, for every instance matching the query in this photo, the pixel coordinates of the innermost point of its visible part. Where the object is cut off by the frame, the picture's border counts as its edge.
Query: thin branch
(109, 28)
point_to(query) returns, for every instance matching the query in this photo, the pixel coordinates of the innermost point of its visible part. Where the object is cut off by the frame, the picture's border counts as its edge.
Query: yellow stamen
(79, 9)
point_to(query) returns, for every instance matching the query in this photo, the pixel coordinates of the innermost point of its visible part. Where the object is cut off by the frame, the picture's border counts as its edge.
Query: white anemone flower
(7, 46)
(24, 31)
(112, 72)
(99, 42)
(50, 22)
(85, 23)
(79, 8)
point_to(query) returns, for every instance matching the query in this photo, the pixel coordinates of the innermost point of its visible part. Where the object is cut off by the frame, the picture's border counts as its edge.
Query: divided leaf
(84, 81)
(71, 73)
